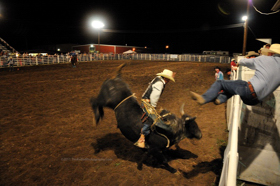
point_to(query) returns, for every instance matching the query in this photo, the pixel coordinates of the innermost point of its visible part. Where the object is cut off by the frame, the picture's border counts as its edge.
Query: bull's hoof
(170, 169)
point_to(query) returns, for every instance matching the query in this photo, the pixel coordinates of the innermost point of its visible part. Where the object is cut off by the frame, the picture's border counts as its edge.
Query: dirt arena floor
(48, 136)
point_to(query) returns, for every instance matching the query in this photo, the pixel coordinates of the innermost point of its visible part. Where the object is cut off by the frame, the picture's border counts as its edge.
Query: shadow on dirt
(215, 166)
(124, 149)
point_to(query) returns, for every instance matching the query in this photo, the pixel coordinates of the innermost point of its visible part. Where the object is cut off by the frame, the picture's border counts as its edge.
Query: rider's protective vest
(147, 93)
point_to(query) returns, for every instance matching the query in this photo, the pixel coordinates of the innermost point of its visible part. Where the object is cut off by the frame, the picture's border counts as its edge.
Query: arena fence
(229, 171)
(56, 59)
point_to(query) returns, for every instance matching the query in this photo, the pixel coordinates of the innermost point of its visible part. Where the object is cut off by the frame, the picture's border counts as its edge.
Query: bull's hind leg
(144, 158)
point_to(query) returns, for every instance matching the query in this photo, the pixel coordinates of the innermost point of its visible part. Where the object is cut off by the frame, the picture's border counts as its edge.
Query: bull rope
(154, 128)
(168, 141)
(132, 95)
(158, 117)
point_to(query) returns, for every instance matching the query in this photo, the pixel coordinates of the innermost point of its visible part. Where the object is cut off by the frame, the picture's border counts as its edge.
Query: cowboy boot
(141, 141)
(198, 98)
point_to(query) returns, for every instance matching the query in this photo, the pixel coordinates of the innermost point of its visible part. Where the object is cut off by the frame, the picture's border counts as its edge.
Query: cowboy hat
(167, 74)
(252, 53)
(274, 48)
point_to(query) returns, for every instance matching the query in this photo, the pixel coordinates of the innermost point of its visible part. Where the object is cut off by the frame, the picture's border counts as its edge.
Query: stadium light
(98, 25)
(244, 18)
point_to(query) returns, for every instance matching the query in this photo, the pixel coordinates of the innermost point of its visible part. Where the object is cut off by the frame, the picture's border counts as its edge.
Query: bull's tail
(118, 72)
(97, 109)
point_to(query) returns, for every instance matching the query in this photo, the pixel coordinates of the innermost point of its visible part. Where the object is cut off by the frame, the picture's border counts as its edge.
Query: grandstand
(6, 48)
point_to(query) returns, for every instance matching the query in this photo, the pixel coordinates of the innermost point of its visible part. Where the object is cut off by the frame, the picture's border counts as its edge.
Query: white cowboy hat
(252, 53)
(274, 48)
(167, 74)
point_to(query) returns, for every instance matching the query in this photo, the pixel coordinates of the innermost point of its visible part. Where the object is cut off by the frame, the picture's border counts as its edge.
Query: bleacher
(6, 47)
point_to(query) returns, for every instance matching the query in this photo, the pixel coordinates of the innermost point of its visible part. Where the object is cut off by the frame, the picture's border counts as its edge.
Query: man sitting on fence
(265, 80)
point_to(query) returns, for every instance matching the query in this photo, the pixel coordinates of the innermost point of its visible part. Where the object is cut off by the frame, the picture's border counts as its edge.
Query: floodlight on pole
(244, 18)
(98, 25)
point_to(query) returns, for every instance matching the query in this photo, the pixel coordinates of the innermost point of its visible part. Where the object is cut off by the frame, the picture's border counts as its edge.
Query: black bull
(116, 95)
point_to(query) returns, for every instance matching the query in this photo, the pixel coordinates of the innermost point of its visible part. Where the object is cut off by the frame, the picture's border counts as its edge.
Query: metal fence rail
(56, 59)
(230, 161)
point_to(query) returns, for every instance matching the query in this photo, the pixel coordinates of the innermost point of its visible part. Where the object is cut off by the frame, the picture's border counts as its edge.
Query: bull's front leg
(165, 162)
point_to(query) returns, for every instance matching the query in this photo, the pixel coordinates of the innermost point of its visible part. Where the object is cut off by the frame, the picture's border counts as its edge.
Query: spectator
(233, 67)
(267, 45)
(265, 80)
(11, 63)
(73, 59)
(252, 54)
(68, 57)
(61, 57)
(84, 56)
(218, 73)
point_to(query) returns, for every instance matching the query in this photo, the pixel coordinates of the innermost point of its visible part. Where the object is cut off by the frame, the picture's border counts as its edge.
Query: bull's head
(192, 129)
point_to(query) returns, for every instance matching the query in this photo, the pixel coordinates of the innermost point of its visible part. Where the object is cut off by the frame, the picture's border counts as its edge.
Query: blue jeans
(151, 117)
(230, 88)
(146, 129)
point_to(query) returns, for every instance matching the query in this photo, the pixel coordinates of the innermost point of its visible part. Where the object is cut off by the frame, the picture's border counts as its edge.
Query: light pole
(98, 25)
(245, 18)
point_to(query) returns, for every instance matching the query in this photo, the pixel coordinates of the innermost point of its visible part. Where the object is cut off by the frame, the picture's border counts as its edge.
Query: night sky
(186, 26)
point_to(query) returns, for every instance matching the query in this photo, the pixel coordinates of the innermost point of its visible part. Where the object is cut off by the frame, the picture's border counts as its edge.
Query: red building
(115, 49)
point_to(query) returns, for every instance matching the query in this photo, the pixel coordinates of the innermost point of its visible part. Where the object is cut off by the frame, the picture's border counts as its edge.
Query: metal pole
(98, 41)
(246, 30)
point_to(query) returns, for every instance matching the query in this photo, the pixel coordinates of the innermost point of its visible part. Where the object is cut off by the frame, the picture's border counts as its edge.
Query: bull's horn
(182, 109)
(190, 118)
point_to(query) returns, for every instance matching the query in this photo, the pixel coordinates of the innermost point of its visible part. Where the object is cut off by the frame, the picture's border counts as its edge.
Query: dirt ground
(48, 136)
